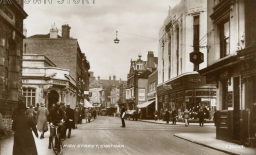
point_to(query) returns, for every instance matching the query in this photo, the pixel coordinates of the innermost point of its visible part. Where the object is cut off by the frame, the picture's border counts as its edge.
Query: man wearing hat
(70, 119)
(42, 125)
(23, 126)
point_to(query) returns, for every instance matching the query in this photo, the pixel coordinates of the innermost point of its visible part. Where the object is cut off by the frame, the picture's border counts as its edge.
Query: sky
(94, 25)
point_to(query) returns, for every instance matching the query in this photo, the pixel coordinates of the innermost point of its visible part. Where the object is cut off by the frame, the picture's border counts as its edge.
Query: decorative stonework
(193, 11)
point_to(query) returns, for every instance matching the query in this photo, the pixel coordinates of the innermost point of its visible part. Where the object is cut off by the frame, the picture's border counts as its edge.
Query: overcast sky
(95, 26)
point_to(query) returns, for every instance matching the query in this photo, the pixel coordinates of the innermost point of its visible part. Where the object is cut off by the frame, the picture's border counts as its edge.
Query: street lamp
(116, 41)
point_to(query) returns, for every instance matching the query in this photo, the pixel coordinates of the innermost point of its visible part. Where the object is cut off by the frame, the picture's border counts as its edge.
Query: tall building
(122, 100)
(11, 51)
(179, 85)
(137, 80)
(231, 66)
(65, 52)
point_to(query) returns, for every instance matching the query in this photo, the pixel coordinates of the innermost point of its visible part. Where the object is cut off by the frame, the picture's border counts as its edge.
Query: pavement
(209, 140)
(6, 145)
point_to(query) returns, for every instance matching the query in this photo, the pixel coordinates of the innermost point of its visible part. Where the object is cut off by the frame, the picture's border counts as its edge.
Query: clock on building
(196, 57)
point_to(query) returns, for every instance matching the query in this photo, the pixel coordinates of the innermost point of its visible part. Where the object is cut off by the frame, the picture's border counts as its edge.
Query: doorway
(236, 112)
(53, 98)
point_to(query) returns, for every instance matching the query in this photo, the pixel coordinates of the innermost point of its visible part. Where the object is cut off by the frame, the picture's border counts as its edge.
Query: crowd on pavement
(41, 119)
(194, 113)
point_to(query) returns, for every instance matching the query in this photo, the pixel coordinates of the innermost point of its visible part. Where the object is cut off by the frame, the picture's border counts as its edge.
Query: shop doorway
(53, 98)
(236, 112)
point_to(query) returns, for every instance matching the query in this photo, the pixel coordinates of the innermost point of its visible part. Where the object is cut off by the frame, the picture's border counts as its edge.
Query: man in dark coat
(122, 116)
(55, 117)
(174, 117)
(167, 116)
(70, 120)
(81, 113)
(201, 117)
(24, 142)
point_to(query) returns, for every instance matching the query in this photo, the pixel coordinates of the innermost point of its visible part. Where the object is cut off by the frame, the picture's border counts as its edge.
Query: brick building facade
(65, 52)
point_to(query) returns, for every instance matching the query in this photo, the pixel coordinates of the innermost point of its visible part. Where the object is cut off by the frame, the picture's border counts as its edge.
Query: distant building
(137, 80)
(122, 94)
(65, 52)
(44, 82)
(103, 87)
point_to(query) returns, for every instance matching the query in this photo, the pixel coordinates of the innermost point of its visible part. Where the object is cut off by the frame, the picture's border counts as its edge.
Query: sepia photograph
(127, 77)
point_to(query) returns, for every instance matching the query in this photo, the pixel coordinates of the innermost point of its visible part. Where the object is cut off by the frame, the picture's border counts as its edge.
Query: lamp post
(116, 41)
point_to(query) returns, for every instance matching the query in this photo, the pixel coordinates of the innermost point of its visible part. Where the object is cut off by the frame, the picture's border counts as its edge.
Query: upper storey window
(224, 33)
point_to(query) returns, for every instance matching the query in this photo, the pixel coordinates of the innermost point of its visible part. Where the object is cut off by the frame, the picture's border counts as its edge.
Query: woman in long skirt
(77, 116)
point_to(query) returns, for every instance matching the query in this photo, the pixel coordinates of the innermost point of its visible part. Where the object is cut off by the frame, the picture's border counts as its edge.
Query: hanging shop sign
(229, 99)
(213, 102)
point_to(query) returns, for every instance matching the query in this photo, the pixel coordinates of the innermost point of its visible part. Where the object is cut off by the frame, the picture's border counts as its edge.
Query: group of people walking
(173, 115)
(84, 113)
(37, 119)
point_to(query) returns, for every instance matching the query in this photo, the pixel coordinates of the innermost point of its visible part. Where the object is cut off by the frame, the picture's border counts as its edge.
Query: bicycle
(57, 143)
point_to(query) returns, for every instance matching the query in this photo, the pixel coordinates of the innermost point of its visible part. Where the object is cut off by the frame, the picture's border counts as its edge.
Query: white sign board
(142, 94)
(86, 92)
(213, 102)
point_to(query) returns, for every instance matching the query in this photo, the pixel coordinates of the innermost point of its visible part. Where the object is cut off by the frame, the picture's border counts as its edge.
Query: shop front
(188, 92)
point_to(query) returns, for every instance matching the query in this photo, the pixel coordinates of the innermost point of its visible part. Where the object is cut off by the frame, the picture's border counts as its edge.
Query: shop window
(224, 94)
(224, 38)
(30, 95)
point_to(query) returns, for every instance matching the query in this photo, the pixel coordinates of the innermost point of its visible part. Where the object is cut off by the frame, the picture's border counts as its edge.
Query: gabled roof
(41, 36)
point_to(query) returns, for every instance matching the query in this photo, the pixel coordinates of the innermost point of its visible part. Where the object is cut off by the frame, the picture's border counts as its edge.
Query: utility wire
(137, 35)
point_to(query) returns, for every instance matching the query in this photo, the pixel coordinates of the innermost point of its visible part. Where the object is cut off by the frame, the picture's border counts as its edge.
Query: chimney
(109, 77)
(98, 77)
(150, 60)
(54, 32)
(66, 31)
(114, 78)
(120, 81)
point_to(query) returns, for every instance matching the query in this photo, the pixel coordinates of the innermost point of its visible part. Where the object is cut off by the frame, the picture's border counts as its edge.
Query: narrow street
(137, 138)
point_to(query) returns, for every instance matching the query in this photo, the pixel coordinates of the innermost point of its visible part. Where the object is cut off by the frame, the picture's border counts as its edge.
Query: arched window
(30, 95)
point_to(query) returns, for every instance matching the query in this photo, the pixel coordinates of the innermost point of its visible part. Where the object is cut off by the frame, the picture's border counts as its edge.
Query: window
(169, 73)
(224, 38)
(30, 95)
(224, 94)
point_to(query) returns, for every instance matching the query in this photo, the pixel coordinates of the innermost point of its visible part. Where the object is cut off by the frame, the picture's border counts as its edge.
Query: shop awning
(143, 105)
(87, 104)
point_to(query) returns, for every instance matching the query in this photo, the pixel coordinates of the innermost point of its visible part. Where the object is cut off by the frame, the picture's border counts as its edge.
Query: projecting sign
(229, 99)
(142, 95)
(213, 102)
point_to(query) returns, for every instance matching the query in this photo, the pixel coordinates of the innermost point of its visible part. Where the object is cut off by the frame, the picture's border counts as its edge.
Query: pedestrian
(70, 119)
(122, 116)
(167, 116)
(15, 111)
(24, 143)
(201, 116)
(179, 113)
(215, 118)
(31, 113)
(77, 116)
(135, 115)
(42, 125)
(186, 117)
(90, 115)
(139, 114)
(56, 116)
(36, 114)
(86, 115)
(82, 113)
(94, 113)
(155, 115)
(174, 117)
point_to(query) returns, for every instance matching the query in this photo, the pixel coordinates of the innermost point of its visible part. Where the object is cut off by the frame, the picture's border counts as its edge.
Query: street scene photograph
(128, 77)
